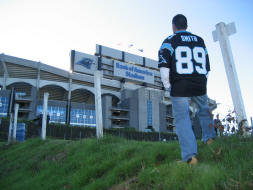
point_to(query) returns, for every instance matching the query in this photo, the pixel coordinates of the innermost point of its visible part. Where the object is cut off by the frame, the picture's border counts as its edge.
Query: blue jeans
(187, 140)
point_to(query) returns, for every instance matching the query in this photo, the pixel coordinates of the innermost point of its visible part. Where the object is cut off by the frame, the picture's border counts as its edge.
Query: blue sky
(46, 31)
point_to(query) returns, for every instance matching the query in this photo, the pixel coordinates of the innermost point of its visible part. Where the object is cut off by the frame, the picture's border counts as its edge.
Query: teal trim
(168, 47)
(181, 31)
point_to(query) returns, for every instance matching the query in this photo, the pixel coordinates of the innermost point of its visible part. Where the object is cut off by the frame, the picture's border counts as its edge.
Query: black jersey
(186, 56)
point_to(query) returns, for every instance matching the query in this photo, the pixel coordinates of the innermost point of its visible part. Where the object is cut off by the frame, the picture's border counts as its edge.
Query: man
(217, 125)
(184, 67)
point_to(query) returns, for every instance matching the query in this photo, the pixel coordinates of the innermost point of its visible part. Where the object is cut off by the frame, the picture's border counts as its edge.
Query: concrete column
(162, 117)
(6, 74)
(142, 111)
(34, 95)
(15, 121)
(44, 117)
(98, 103)
(156, 98)
(5, 79)
(106, 107)
(38, 76)
(133, 107)
(221, 34)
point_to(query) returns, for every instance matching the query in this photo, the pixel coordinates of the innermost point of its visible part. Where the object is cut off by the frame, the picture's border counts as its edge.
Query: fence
(69, 132)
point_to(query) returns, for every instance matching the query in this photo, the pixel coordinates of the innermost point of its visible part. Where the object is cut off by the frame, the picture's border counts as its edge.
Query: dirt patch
(126, 185)
(61, 156)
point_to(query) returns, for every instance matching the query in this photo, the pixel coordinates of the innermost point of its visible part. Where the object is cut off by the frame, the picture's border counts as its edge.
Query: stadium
(132, 91)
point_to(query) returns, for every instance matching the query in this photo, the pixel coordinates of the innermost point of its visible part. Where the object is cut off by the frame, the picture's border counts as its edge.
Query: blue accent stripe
(182, 31)
(206, 51)
(168, 47)
(149, 112)
(162, 59)
(171, 36)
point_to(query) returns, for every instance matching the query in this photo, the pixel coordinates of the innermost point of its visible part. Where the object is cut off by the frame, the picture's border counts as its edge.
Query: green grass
(114, 163)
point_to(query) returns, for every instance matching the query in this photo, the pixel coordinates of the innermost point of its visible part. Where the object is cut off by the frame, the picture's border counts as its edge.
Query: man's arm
(164, 55)
(165, 77)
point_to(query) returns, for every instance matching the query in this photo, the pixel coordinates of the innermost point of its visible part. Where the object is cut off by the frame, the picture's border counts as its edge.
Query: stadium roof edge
(55, 70)
(34, 64)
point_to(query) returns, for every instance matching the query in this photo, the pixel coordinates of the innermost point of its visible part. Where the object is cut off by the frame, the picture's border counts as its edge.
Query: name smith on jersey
(189, 38)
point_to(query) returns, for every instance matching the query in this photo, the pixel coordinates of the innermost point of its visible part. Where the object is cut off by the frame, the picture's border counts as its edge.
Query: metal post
(69, 103)
(15, 121)
(10, 127)
(251, 122)
(98, 104)
(44, 117)
(221, 34)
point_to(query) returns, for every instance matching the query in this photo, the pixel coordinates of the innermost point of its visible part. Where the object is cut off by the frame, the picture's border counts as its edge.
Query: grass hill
(115, 163)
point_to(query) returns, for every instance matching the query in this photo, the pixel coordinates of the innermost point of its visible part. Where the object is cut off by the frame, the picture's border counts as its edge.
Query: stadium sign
(133, 72)
(83, 63)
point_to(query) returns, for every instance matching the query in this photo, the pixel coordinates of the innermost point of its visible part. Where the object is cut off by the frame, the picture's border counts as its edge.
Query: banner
(133, 72)
(83, 63)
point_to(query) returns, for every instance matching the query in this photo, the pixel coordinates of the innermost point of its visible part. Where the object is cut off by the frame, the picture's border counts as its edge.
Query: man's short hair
(180, 21)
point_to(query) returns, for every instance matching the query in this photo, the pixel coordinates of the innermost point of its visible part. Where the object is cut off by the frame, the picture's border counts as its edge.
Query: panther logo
(86, 62)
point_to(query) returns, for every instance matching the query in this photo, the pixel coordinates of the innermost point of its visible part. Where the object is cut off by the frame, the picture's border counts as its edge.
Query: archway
(55, 92)
(21, 88)
(4, 102)
(115, 99)
(82, 108)
(23, 97)
(82, 96)
(57, 103)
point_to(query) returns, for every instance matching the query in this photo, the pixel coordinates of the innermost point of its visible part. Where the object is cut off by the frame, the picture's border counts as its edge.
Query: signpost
(44, 117)
(15, 122)
(221, 34)
(98, 103)
(10, 127)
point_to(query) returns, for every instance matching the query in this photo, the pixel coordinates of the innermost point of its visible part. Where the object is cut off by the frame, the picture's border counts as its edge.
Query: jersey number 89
(184, 64)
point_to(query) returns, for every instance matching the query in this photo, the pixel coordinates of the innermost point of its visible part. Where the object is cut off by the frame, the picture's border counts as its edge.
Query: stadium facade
(132, 91)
